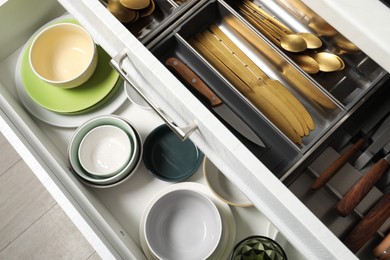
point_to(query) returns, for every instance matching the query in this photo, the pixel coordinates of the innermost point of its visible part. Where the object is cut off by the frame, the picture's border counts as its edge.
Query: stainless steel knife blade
(380, 137)
(217, 105)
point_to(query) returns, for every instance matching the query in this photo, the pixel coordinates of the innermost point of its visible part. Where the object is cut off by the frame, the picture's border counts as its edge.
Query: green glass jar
(258, 248)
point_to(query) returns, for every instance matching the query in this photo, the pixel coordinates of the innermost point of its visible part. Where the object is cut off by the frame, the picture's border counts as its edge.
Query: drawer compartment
(364, 124)
(281, 150)
(145, 28)
(348, 85)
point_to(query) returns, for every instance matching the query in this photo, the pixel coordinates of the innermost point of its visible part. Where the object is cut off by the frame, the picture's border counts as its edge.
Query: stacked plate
(105, 151)
(186, 221)
(68, 107)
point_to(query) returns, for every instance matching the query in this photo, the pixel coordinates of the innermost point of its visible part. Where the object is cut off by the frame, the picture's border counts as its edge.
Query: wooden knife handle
(193, 80)
(329, 172)
(361, 188)
(382, 251)
(367, 227)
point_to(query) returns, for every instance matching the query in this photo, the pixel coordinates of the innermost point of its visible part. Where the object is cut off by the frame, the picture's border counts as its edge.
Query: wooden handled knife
(216, 104)
(353, 197)
(367, 227)
(329, 172)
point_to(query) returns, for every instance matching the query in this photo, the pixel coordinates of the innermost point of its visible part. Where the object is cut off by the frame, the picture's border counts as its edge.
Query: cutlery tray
(348, 85)
(280, 152)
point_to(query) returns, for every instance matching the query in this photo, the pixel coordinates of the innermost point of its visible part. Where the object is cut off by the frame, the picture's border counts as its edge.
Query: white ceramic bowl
(64, 55)
(126, 172)
(183, 224)
(105, 150)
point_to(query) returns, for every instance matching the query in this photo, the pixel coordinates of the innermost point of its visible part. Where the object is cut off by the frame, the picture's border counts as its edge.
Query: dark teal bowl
(169, 158)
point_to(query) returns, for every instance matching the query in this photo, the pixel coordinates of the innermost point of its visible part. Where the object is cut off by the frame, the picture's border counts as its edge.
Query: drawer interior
(124, 204)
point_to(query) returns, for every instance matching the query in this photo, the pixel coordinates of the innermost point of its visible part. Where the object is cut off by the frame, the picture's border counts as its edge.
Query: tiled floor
(32, 224)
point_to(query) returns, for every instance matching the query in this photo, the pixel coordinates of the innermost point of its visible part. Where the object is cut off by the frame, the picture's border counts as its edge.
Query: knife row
(374, 141)
(271, 97)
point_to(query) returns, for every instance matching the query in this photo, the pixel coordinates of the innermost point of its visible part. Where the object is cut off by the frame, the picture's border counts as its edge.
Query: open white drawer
(110, 217)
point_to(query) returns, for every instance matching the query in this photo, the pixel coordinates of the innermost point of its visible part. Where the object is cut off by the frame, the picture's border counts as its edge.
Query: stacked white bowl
(105, 151)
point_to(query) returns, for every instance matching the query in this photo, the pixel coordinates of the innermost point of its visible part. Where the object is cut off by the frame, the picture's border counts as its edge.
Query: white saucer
(228, 225)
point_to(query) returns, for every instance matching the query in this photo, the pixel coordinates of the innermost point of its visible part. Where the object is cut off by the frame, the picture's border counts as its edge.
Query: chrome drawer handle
(182, 132)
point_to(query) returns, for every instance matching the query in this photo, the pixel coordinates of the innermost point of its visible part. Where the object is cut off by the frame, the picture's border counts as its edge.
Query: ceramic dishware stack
(105, 151)
(228, 225)
(63, 78)
(183, 224)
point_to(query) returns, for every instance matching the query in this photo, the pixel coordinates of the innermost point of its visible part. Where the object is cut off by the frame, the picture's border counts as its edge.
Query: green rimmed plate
(72, 100)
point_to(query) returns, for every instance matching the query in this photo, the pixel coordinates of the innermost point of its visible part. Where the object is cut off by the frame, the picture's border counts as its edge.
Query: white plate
(223, 187)
(64, 120)
(228, 225)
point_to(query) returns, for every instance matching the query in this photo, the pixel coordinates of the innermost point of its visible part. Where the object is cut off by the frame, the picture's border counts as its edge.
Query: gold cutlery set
(301, 47)
(271, 97)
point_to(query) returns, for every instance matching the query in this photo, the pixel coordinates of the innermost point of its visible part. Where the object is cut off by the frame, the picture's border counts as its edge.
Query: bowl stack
(182, 224)
(105, 151)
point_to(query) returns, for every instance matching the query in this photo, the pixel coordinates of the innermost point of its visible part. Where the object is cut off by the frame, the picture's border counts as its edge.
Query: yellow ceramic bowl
(63, 55)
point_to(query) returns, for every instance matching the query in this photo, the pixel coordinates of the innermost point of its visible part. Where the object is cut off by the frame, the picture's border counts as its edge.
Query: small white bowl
(63, 55)
(121, 176)
(183, 224)
(105, 150)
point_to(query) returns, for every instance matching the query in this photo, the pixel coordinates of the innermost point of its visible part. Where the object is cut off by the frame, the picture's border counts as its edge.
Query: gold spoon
(135, 4)
(307, 63)
(344, 44)
(289, 42)
(148, 10)
(328, 62)
(312, 41)
(120, 12)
